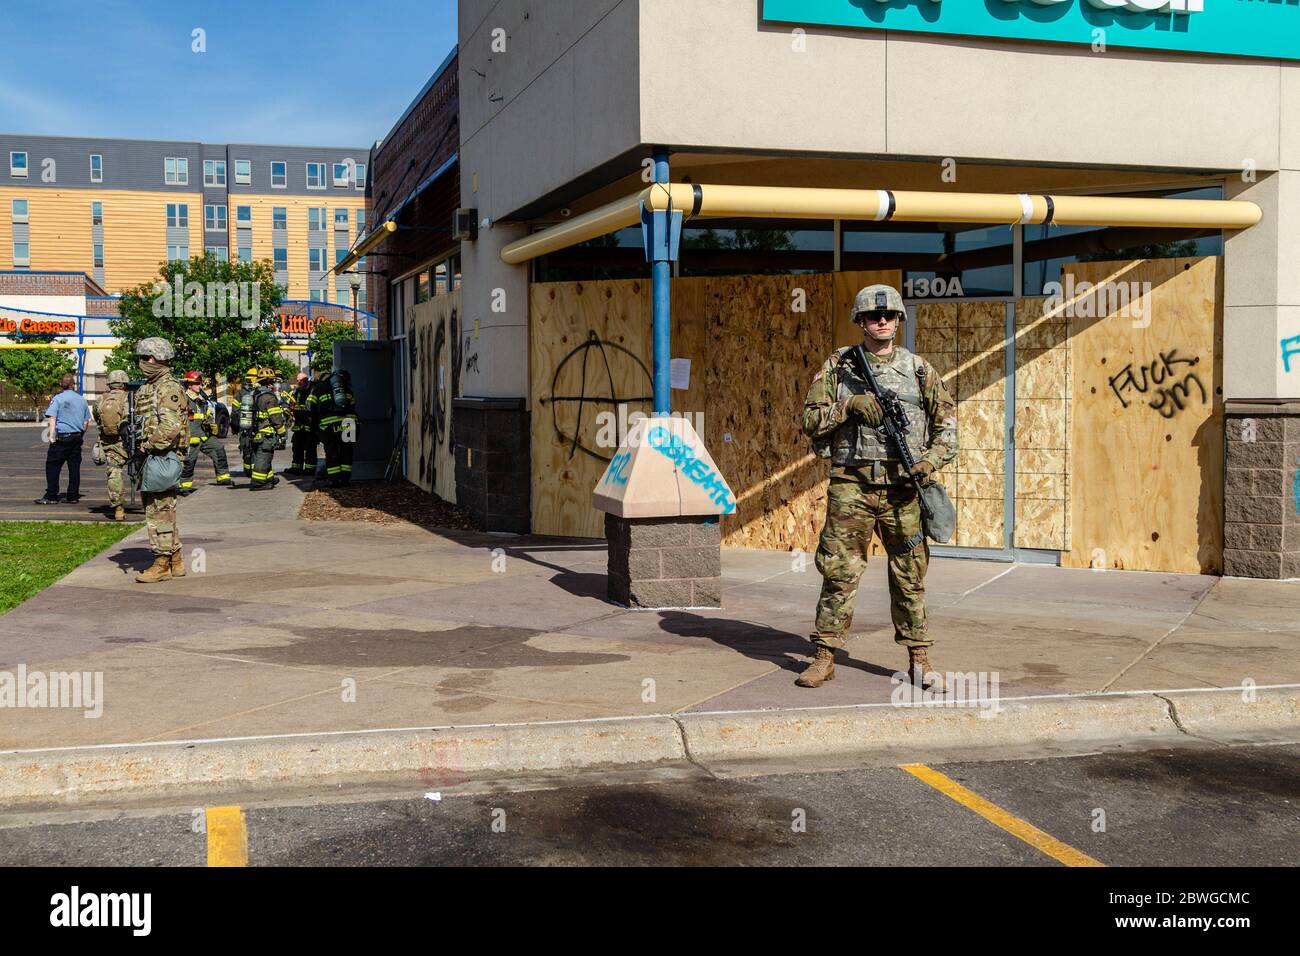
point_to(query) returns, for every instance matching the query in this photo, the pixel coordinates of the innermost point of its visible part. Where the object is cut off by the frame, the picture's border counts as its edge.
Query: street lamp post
(354, 280)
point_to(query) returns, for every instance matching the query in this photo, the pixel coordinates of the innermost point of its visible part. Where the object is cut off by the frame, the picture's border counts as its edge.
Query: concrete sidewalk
(285, 627)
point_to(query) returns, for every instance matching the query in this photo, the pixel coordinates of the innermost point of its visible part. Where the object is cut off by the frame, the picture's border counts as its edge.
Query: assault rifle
(894, 425)
(131, 432)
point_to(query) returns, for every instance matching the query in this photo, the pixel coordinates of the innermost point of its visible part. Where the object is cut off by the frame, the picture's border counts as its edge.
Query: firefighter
(337, 419)
(268, 428)
(304, 439)
(202, 414)
(245, 419)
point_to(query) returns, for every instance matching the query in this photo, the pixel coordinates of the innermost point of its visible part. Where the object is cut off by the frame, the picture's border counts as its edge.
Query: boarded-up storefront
(1105, 445)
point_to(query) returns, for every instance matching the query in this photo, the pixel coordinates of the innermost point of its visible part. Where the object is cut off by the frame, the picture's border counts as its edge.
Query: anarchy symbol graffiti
(583, 353)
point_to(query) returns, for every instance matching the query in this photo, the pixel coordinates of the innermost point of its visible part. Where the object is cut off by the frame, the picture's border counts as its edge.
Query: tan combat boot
(820, 670)
(119, 513)
(921, 673)
(160, 570)
(178, 564)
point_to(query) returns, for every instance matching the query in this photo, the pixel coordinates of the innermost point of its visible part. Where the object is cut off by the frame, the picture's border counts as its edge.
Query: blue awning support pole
(661, 234)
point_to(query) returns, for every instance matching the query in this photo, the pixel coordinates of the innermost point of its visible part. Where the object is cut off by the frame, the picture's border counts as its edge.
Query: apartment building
(115, 208)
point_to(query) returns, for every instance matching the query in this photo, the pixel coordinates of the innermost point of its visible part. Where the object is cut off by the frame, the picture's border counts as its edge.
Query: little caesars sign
(1231, 27)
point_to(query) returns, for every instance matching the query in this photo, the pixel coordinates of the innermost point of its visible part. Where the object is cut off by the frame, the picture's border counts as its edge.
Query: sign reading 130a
(1259, 28)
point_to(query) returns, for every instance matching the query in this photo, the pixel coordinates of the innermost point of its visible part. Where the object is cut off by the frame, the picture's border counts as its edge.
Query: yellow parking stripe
(227, 837)
(1018, 828)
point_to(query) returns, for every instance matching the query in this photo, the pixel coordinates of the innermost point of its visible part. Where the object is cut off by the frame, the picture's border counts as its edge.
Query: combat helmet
(155, 347)
(118, 377)
(878, 298)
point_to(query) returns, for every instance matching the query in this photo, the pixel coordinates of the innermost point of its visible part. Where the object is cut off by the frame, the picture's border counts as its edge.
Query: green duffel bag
(160, 473)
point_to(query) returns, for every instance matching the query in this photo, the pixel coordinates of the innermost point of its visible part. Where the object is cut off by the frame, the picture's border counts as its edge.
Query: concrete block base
(665, 562)
(1261, 528)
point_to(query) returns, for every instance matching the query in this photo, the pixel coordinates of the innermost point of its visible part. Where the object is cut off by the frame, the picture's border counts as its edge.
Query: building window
(220, 253)
(341, 219)
(245, 253)
(361, 175)
(315, 175)
(319, 295)
(18, 165)
(361, 297)
(19, 210)
(99, 255)
(214, 172)
(279, 218)
(96, 168)
(176, 171)
(244, 215)
(178, 253)
(96, 213)
(281, 257)
(316, 259)
(316, 218)
(279, 174)
(214, 218)
(341, 177)
(243, 172)
(22, 255)
(178, 215)
(361, 223)
(340, 255)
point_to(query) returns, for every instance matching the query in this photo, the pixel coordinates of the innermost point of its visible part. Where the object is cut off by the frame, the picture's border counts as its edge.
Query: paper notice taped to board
(679, 373)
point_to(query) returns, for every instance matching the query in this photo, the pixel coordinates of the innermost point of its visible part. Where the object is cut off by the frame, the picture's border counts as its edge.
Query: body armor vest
(855, 442)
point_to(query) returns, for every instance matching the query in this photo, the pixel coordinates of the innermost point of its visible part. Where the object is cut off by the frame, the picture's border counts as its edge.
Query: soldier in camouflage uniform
(161, 407)
(110, 412)
(869, 490)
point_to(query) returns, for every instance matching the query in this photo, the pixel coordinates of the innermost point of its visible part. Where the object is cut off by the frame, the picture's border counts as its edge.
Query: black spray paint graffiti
(1169, 399)
(594, 341)
(431, 343)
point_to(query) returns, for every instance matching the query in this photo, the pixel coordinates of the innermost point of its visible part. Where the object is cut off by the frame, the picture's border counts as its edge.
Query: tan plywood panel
(1146, 463)
(432, 334)
(1042, 430)
(797, 479)
(589, 354)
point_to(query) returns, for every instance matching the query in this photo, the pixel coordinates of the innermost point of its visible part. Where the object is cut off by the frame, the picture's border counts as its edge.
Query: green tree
(35, 372)
(321, 344)
(219, 316)
(1173, 249)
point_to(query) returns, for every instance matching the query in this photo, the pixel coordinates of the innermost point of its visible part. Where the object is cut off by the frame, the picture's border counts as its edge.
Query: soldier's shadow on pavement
(760, 642)
(132, 560)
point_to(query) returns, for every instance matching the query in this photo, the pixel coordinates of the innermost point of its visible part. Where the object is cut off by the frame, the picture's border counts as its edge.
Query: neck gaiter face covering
(153, 369)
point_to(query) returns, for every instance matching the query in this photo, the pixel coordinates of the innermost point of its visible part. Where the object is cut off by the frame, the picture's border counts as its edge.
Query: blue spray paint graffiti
(1290, 347)
(683, 456)
(617, 471)
(1295, 489)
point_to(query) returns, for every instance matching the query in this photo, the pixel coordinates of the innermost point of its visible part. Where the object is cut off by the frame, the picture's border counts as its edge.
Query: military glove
(923, 470)
(867, 408)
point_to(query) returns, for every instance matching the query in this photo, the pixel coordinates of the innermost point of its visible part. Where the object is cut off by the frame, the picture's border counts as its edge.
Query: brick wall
(42, 283)
(493, 479)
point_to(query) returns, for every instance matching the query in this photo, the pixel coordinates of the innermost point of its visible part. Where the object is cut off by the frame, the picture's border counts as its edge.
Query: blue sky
(292, 72)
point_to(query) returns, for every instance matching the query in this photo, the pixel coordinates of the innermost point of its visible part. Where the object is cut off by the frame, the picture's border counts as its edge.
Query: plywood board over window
(1042, 445)
(754, 344)
(1146, 469)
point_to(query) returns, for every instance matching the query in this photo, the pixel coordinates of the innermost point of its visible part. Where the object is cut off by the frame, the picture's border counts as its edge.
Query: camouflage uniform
(110, 411)
(869, 490)
(162, 409)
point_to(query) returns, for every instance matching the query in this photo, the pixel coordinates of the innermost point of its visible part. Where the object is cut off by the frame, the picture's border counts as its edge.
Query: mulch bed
(385, 502)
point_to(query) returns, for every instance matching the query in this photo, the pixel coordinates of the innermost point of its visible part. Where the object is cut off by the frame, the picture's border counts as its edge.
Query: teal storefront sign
(1256, 28)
